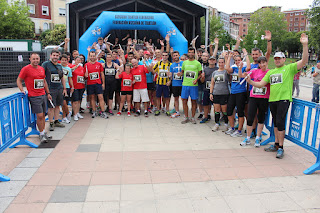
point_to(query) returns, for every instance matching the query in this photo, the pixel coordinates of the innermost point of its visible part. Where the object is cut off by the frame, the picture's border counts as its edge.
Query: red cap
(146, 52)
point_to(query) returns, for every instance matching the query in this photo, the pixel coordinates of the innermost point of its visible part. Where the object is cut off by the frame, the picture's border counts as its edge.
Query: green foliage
(314, 17)
(292, 43)
(266, 19)
(14, 21)
(55, 36)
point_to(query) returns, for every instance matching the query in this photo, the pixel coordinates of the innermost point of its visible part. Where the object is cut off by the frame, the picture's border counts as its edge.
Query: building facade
(242, 19)
(234, 30)
(58, 11)
(296, 20)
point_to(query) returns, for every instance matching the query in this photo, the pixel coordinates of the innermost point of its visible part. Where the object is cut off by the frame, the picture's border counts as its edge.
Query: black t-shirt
(54, 74)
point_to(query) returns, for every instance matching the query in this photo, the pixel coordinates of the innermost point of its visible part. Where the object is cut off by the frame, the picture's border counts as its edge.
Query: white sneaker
(69, 116)
(65, 120)
(215, 128)
(236, 134)
(79, 115)
(229, 131)
(75, 117)
(225, 127)
(245, 142)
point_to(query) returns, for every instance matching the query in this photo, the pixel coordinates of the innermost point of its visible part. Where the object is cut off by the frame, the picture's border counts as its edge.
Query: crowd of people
(118, 80)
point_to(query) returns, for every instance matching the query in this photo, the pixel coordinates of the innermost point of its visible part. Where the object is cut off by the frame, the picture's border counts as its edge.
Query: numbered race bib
(259, 91)
(219, 78)
(94, 76)
(65, 71)
(176, 77)
(126, 82)
(55, 78)
(109, 71)
(276, 79)
(163, 74)
(137, 78)
(38, 83)
(80, 79)
(190, 74)
(208, 84)
(235, 78)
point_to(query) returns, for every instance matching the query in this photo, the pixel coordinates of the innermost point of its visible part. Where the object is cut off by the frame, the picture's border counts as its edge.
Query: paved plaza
(137, 164)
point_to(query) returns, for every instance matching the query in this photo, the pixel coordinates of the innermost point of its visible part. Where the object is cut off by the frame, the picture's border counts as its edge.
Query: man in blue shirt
(176, 81)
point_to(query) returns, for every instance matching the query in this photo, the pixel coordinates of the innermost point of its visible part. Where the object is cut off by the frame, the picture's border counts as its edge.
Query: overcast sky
(245, 6)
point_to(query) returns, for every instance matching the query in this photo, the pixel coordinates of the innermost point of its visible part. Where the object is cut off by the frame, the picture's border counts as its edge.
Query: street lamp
(255, 42)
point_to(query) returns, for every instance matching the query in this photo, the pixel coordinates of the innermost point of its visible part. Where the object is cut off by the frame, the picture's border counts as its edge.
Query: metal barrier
(15, 120)
(303, 128)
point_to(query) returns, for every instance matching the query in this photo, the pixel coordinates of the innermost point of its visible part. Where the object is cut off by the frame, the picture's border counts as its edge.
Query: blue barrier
(299, 125)
(15, 120)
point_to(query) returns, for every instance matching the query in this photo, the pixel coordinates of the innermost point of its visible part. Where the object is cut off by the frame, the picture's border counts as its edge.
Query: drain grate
(49, 145)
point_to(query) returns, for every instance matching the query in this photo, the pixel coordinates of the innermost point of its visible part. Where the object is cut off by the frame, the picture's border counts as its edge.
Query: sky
(246, 6)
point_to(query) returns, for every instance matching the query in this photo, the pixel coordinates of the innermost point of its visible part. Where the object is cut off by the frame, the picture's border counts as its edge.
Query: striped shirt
(162, 70)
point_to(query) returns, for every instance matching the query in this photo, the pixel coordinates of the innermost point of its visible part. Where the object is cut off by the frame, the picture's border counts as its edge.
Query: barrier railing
(301, 128)
(15, 120)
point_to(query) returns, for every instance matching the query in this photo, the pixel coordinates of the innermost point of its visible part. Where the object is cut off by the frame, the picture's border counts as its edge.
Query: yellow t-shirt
(163, 70)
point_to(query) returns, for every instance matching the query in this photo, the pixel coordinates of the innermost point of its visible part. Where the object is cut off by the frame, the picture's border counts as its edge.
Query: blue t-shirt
(236, 87)
(175, 68)
(66, 74)
(116, 61)
(149, 75)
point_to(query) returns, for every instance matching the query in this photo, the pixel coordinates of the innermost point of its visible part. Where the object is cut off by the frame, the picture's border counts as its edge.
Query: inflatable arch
(133, 21)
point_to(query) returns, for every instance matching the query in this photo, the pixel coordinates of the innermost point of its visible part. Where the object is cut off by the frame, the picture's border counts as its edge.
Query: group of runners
(234, 86)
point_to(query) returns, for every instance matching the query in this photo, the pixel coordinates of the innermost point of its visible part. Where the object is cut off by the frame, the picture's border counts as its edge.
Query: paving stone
(31, 163)
(66, 194)
(22, 173)
(144, 206)
(40, 153)
(89, 148)
(103, 193)
(137, 192)
(63, 208)
(5, 202)
(11, 188)
(101, 207)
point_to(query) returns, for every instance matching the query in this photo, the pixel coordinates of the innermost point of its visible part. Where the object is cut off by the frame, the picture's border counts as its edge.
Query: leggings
(279, 111)
(257, 104)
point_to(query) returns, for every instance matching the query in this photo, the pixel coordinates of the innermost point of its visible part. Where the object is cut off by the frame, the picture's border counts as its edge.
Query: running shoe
(110, 112)
(163, 109)
(280, 153)
(175, 115)
(146, 114)
(236, 133)
(229, 131)
(193, 121)
(75, 118)
(200, 116)
(271, 148)
(58, 124)
(129, 113)
(43, 139)
(49, 137)
(172, 111)
(168, 113)
(209, 117)
(157, 113)
(69, 115)
(215, 128)
(104, 115)
(224, 128)
(137, 113)
(94, 114)
(79, 115)
(245, 142)
(119, 113)
(51, 128)
(204, 120)
(257, 142)
(186, 120)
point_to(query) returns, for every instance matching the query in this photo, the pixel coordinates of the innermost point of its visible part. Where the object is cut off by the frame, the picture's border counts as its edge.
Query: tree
(266, 19)
(314, 18)
(53, 37)
(292, 43)
(14, 21)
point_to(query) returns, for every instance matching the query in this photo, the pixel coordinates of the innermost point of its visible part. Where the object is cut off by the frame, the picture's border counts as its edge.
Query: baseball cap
(212, 57)
(146, 52)
(279, 55)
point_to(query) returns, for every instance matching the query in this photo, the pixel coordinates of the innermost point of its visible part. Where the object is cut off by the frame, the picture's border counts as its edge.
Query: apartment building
(297, 20)
(242, 19)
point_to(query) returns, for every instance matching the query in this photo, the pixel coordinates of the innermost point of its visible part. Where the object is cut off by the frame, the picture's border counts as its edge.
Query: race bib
(219, 78)
(127, 82)
(208, 84)
(235, 78)
(80, 79)
(110, 71)
(276, 79)
(55, 78)
(94, 76)
(38, 83)
(137, 78)
(259, 91)
(163, 74)
(65, 71)
(176, 77)
(190, 74)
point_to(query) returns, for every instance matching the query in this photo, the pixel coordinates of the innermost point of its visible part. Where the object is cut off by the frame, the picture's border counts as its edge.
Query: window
(290, 25)
(31, 8)
(302, 13)
(45, 26)
(291, 14)
(290, 29)
(302, 18)
(244, 20)
(297, 14)
(45, 10)
(62, 12)
(244, 25)
(296, 19)
(301, 24)
(244, 30)
(302, 29)
(291, 19)
(296, 29)
(296, 24)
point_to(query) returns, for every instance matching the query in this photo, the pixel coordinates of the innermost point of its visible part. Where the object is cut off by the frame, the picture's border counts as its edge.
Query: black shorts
(57, 97)
(38, 104)
(126, 92)
(118, 85)
(260, 105)
(94, 89)
(237, 100)
(67, 98)
(206, 98)
(279, 111)
(151, 86)
(176, 91)
(220, 99)
(110, 89)
(77, 94)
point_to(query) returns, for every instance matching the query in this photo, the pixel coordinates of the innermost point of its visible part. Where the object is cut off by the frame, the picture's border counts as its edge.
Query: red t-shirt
(94, 72)
(139, 74)
(78, 78)
(126, 81)
(34, 79)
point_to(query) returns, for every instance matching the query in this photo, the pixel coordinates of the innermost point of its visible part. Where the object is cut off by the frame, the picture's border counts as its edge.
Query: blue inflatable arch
(133, 21)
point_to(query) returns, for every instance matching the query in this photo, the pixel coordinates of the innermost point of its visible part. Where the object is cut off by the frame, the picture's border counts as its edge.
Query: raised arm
(304, 60)
(65, 46)
(228, 68)
(215, 52)
(245, 53)
(238, 43)
(269, 44)
(168, 43)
